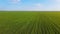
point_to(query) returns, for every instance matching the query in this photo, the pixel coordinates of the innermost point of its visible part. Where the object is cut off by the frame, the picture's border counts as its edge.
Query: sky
(39, 5)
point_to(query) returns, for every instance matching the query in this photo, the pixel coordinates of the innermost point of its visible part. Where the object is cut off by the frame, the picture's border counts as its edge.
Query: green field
(29, 22)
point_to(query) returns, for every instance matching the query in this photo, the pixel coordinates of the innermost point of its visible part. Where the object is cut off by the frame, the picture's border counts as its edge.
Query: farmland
(29, 22)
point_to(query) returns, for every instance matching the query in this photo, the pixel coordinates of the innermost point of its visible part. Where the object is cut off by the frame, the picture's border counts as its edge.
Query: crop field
(15, 22)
